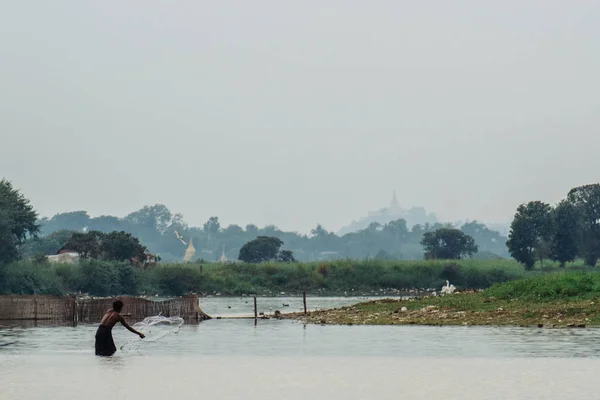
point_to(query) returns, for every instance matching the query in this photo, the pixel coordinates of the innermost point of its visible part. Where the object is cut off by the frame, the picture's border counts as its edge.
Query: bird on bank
(448, 289)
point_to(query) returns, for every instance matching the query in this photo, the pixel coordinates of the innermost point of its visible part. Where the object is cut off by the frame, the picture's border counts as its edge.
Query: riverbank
(337, 278)
(552, 301)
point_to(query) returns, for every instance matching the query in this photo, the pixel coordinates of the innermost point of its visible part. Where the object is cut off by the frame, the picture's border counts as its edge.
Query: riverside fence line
(76, 310)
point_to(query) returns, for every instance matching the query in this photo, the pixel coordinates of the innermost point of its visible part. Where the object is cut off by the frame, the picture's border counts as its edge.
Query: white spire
(394, 205)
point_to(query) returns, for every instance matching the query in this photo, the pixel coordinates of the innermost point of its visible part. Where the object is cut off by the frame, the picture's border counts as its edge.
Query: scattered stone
(404, 309)
(500, 309)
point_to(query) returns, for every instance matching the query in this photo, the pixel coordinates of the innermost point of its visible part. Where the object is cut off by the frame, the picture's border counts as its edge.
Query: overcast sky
(299, 112)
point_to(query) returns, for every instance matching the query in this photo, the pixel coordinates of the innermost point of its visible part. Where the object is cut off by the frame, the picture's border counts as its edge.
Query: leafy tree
(565, 241)
(71, 221)
(50, 244)
(17, 221)
(286, 256)
(157, 217)
(587, 200)
(448, 244)
(487, 239)
(88, 245)
(211, 229)
(530, 233)
(251, 229)
(122, 246)
(261, 249)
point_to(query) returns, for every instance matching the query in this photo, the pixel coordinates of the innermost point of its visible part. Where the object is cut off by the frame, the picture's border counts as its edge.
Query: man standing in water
(105, 345)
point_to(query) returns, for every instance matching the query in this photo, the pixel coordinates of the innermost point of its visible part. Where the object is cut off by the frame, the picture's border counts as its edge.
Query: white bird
(180, 238)
(448, 289)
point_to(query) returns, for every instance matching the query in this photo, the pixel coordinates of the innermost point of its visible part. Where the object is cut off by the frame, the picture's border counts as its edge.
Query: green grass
(547, 287)
(356, 277)
(561, 299)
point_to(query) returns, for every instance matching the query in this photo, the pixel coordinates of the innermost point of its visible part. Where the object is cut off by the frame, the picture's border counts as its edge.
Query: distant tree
(448, 244)
(567, 232)
(107, 223)
(17, 221)
(261, 249)
(319, 232)
(383, 256)
(156, 217)
(530, 233)
(70, 221)
(88, 245)
(45, 245)
(122, 246)
(587, 200)
(252, 229)
(211, 229)
(487, 239)
(397, 228)
(286, 256)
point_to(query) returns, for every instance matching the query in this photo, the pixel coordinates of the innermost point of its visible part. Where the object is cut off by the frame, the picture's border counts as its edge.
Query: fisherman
(105, 345)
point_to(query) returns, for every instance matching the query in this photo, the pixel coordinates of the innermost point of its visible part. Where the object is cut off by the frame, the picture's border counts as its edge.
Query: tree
(211, 228)
(565, 240)
(17, 221)
(286, 256)
(587, 200)
(71, 221)
(261, 249)
(530, 233)
(122, 246)
(50, 244)
(88, 245)
(448, 244)
(156, 217)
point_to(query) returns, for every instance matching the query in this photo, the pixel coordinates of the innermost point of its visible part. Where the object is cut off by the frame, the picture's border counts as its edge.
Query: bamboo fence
(91, 309)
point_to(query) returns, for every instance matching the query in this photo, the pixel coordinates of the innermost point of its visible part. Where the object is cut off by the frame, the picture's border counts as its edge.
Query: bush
(553, 286)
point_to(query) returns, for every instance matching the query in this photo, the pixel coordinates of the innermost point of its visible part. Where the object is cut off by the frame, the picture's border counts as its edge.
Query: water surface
(236, 359)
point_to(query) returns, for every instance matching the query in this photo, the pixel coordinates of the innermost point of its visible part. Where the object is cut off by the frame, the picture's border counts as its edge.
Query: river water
(238, 359)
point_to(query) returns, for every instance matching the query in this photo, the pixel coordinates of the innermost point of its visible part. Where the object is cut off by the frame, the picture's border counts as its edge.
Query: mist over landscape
(348, 199)
(298, 114)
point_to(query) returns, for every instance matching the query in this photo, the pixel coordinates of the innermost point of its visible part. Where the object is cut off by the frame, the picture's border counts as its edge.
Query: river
(272, 359)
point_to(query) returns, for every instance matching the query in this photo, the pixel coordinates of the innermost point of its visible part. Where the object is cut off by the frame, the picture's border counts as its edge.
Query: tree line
(562, 233)
(166, 234)
(154, 231)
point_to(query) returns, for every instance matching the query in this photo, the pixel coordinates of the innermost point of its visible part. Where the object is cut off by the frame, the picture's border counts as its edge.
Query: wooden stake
(255, 310)
(304, 300)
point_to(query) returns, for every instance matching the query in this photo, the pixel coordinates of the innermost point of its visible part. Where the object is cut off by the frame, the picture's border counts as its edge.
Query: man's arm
(129, 328)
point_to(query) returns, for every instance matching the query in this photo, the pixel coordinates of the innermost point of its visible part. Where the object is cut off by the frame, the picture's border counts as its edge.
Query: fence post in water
(304, 300)
(255, 310)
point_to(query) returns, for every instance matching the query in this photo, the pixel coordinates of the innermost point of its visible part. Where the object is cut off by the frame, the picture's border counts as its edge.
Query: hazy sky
(299, 112)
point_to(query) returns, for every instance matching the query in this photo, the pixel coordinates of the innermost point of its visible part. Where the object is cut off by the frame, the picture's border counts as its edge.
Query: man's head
(118, 306)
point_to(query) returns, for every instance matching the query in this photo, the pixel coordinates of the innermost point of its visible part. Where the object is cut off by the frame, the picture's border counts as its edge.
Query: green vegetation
(448, 244)
(17, 221)
(368, 277)
(159, 230)
(562, 233)
(562, 299)
(265, 248)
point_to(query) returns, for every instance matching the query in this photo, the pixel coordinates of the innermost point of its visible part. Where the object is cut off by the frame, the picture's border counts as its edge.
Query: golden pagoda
(189, 252)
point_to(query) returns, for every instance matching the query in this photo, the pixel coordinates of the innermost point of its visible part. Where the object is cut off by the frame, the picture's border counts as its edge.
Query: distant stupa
(189, 252)
(394, 205)
(223, 258)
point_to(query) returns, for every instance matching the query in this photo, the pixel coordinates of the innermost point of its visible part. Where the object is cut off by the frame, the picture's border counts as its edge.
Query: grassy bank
(564, 299)
(338, 277)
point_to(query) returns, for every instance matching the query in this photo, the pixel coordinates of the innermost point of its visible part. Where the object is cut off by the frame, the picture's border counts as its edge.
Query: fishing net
(154, 328)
